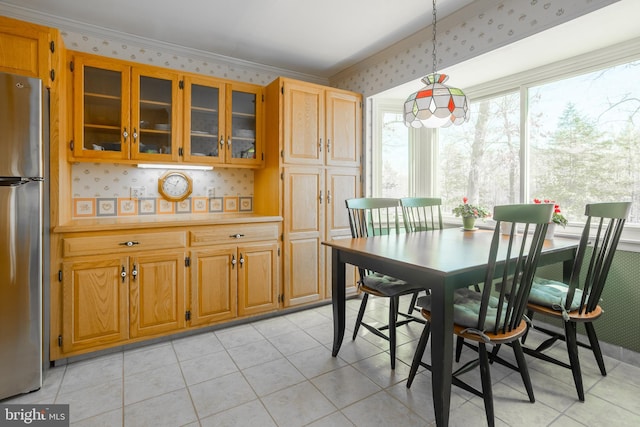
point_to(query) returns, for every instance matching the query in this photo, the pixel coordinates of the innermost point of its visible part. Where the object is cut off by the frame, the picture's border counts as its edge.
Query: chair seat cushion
(466, 307)
(552, 294)
(387, 285)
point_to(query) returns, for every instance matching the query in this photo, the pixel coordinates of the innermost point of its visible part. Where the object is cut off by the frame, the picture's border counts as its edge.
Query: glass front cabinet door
(102, 109)
(123, 112)
(223, 122)
(204, 130)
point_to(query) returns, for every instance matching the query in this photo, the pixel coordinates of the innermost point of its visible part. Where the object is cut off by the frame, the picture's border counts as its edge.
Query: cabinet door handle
(229, 141)
(328, 196)
(129, 243)
(123, 274)
(135, 135)
(241, 260)
(237, 236)
(125, 134)
(134, 272)
(221, 140)
(320, 197)
(328, 145)
(320, 146)
(233, 261)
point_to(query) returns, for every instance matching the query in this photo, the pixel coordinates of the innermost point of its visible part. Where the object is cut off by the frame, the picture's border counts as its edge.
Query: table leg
(441, 351)
(338, 297)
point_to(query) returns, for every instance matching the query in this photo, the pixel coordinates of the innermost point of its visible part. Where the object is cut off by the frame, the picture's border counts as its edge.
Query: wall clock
(175, 186)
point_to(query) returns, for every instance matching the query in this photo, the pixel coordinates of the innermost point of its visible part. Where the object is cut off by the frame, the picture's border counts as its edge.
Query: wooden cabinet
(314, 168)
(136, 288)
(27, 49)
(321, 126)
(123, 112)
(152, 283)
(223, 122)
(236, 263)
(136, 113)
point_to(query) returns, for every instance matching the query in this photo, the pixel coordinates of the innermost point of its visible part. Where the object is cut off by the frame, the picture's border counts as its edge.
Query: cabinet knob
(129, 243)
(328, 145)
(134, 272)
(241, 260)
(233, 261)
(135, 135)
(125, 134)
(328, 196)
(221, 141)
(123, 274)
(320, 197)
(237, 236)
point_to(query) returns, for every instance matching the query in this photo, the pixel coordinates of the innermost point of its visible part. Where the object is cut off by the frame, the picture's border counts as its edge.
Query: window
(581, 144)
(480, 159)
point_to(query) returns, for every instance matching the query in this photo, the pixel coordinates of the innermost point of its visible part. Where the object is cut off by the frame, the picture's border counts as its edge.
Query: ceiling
(320, 38)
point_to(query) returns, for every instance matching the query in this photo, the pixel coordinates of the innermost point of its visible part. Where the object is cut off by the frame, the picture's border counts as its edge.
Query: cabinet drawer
(95, 245)
(233, 233)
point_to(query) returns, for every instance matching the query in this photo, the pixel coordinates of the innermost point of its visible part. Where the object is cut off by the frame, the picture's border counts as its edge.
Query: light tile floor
(279, 372)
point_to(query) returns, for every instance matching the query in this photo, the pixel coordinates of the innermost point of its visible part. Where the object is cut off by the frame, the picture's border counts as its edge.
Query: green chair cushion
(387, 285)
(553, 294)
(466, 307)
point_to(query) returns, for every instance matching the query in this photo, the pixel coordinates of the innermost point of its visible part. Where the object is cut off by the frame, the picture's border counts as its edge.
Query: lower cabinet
(150, 284)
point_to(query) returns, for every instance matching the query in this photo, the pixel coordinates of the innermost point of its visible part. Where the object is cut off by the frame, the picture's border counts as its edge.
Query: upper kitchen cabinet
(122, 111)
(27, 49)
(321, 125)
(223, 122)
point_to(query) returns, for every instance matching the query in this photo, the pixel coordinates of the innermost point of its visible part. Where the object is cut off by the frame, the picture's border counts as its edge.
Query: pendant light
(436, 105)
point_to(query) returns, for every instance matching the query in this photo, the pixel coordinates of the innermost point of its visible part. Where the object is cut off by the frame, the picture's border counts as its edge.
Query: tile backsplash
(104, 190)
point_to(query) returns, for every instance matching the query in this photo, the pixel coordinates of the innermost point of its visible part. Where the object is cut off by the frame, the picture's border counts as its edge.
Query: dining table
(441, 261)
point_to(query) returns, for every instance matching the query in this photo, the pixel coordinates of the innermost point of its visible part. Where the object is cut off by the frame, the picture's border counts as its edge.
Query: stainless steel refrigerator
(22, 256)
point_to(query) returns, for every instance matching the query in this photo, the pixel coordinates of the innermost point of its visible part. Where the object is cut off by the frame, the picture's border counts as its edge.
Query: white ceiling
(319, 38)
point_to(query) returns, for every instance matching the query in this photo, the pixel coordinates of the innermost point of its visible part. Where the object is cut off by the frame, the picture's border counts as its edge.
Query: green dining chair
(370, 216)
(578, 302)
(490, 318)
(421, 214)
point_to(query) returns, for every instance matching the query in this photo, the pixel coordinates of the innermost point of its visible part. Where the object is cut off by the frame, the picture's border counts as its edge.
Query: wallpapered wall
(473, 30)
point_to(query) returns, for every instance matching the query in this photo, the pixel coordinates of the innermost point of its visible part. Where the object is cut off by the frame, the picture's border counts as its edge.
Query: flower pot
(468, 222)
(551, 231)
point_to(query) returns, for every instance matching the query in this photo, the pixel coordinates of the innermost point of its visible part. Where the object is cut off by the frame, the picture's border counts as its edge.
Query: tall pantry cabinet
(309, 173)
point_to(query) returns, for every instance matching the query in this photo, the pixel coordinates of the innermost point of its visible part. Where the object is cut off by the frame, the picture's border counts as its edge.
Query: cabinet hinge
(263, 97)
(52, 46)
(282, 237)
(282, 154)
(187, 262)
(282, 176)
(180, 152)
(187, 315)
(52, 74)
(59, 275)
(71, 66)
(282, 89)
(59, 340)
(278, 251)
(71, 145)
(263, 157)
(181, 84)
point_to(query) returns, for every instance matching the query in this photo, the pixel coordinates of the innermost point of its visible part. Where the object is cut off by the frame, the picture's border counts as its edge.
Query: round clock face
(175, 186)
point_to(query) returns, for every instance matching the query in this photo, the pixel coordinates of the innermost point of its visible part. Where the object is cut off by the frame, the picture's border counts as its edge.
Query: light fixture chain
(433, 51)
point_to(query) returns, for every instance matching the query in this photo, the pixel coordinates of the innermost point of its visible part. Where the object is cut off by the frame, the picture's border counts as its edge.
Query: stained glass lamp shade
(436, 105)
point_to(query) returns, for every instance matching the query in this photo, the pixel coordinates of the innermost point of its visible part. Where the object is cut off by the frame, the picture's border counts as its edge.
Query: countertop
(158, 221)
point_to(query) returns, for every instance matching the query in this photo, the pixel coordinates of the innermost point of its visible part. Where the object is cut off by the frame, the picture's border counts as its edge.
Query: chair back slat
(421, 213)
(598, 244)
(521, 253)
(373, 216)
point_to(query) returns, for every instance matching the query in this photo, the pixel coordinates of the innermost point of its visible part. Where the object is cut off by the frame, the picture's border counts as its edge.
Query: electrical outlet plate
(137, 192)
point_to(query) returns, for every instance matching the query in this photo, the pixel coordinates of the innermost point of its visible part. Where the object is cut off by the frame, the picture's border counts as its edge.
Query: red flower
(464, 200)
(537, 201)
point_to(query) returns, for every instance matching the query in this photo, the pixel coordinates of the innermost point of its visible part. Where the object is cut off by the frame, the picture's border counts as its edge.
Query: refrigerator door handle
(16, 182)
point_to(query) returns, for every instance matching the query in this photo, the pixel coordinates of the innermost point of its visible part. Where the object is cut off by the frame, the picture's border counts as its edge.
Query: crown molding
(72, 26)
